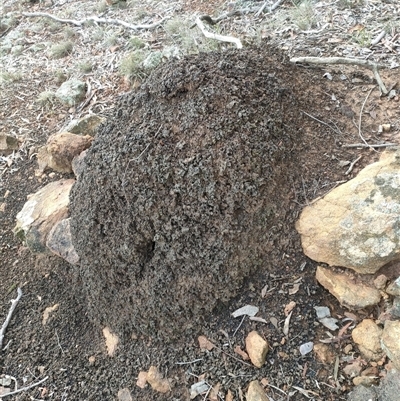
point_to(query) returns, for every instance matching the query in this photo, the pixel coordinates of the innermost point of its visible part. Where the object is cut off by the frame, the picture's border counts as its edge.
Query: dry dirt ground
(70, 351)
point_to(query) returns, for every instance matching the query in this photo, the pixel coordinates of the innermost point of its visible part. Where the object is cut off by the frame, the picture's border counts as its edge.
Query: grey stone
(388, 390)
(8, 143)
(87, 125)
(59, 241)
(71, 92)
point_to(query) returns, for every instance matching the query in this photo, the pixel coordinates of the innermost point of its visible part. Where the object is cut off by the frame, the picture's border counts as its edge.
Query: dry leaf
(356, 28)
(286, 324)
(264, 291)
(242, 353)
(229, 396)
(213, 396)
(142, 379)
(200, 387)
(111, 341)
(289, 307)
(295, 288)
(248, 310)
(258, 319)
(47, 311)
(205, 343)
(274, 321)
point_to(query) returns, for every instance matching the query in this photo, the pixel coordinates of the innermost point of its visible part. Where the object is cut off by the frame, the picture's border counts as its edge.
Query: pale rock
(59, 241)
(390, 341)
(357, 225)
(365, 381)
(256, 348)
(255, 392)
(8, 144)
(367, 335)
(142, 379)
(124, 395)
(156, 381)
(380, 282)
(324, 353)
(87, 125)
(41, 212)
(71, 92)
(60, 150)
(350, 290)
(112, 341)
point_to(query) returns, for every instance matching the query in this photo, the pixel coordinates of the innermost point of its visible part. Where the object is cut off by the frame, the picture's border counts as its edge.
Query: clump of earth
(188, 186)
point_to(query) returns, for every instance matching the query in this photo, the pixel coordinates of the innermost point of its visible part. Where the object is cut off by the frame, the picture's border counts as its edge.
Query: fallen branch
(348, 61)
(14, 303)
(95, 19)
(363, 145)
(215, 36)
(24, 388)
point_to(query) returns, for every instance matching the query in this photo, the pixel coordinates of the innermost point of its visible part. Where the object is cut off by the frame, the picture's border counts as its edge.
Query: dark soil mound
(187, 187)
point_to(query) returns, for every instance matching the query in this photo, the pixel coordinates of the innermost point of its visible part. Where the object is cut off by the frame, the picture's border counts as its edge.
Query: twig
(14, 303)
(24, 388)
(350, 169)
(237, 328)
(359, 120)
(261, 8)
(96, 19)
(378, 38)
(363, 145)
(232, 356)
(276, 5)
(190, 362)
(322, 122)
(215, 36)
(349, 61)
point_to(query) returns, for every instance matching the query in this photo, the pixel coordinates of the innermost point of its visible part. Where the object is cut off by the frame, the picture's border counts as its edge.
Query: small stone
(391, 341)
(255, 392)
(348, 289)
(92, 360)
(256, 348)
(366, 381)
(142, 379)
(394, 288)
(347, 349)
(353, 369)
(324, 353)
(47, 312)
(367, 335)
(8, 144)
(112, 341)
(380, 282)
(156, 381)
(229, 396)
(124, 395)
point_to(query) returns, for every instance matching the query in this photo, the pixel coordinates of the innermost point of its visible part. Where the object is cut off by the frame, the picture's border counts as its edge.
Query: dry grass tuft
(60, 50)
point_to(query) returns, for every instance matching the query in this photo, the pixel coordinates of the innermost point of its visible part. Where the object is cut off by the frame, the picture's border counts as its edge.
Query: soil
(301, 162)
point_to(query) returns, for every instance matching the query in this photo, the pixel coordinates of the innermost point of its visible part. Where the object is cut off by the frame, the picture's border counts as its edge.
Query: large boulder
(185, 190)
(357, 225)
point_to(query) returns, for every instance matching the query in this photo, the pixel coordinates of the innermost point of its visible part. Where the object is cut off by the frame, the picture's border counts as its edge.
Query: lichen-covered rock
(391, 341)
(41, 212)
(8, 143)
(87, 125)
(357, 225)
(185, 190)
(71, 92)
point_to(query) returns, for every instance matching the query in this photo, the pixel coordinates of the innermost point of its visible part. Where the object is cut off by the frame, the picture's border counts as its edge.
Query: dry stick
(215, 36)
(349, 61)
(359, 120)
(337, 130)
(8, 318)
(378, 38)
(350, 169)
(363, 145)
(96, 19)
(24, 388)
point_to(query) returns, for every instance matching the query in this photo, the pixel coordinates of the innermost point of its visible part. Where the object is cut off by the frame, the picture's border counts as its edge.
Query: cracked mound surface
(186, 187)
